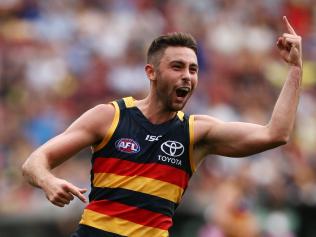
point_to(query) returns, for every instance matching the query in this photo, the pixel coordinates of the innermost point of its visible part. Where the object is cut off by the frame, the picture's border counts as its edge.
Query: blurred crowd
(60, 58)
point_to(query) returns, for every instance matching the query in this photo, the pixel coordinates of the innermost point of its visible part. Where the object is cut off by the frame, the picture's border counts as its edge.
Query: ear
(150, 72)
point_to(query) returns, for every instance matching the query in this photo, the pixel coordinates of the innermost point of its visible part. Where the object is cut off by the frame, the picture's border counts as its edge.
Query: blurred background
(60, 58)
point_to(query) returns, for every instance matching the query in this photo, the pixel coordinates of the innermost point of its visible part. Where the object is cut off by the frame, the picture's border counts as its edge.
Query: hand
(290, 46)
(60, 192)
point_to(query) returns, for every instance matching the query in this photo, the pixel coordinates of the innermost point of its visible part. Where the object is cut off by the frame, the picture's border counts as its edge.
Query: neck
(154, 110)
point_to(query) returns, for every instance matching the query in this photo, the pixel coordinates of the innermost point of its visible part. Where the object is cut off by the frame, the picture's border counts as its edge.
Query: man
(145, 151)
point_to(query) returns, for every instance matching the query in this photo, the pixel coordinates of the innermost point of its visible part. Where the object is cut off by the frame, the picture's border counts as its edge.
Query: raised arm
(238, 139)
(85, 131)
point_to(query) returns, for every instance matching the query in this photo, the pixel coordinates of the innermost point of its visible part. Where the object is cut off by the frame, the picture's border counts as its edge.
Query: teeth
(185, 89)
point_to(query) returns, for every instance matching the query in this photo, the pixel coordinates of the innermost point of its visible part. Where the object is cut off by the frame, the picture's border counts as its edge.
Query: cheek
(164, 82)
(163, 86)
(194, 83)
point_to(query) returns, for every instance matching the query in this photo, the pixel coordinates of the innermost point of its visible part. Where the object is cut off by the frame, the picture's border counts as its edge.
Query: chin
(177, 106)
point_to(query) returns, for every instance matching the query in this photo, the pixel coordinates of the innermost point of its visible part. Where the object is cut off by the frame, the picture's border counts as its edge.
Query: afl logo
(172, 148)
(127, 145)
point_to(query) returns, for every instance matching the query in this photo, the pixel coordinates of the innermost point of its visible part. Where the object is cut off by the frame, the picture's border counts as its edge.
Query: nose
(186, 76)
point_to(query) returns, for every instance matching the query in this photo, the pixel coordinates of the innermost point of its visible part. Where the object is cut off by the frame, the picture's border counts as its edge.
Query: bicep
(88, 129)
(62, 147)
(234, 139)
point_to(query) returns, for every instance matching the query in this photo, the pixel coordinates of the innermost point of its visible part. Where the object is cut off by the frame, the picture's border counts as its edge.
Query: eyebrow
(182, 62)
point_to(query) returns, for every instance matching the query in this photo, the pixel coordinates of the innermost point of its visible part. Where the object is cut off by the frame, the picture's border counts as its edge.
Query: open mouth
(182, 91)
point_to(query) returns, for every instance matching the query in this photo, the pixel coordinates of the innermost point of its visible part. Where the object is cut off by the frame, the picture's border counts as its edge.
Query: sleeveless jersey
(139, 174)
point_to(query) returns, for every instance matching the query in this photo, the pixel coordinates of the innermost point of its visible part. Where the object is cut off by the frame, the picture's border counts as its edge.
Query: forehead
(183, 54)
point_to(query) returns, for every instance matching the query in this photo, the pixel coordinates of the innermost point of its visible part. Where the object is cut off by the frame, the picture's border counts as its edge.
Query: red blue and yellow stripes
(131, 214)
(157, 171)
(155, 179)
(149, 182)
(108, 217)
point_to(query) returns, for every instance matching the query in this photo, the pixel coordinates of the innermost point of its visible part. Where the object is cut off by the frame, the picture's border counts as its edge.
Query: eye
(176, 67)
(193, 70)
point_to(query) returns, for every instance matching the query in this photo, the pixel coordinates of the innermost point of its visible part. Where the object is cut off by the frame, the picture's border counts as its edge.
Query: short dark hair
(177, 39)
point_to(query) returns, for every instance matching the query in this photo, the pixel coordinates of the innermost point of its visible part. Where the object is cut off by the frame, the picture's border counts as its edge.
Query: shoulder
(100, 113)
(96, 120)
(101, 116)
(103, 109)
(203, 125)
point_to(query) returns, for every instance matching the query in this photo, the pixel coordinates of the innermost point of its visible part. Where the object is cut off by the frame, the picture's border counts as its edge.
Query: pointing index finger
(78, 192)
(288, 25)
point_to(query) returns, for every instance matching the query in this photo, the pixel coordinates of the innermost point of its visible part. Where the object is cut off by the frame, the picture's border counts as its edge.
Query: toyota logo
(172, 148)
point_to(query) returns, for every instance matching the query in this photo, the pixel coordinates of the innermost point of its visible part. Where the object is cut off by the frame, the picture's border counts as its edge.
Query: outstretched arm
(85, 131)
(238, 139)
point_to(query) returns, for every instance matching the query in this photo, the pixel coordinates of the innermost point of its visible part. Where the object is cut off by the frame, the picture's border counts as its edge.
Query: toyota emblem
(172, 148)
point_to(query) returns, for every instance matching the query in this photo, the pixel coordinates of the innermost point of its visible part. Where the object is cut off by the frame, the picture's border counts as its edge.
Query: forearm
(36, 169)
(283, 116)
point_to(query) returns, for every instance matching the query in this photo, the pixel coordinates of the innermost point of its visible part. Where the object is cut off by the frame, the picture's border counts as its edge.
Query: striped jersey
(139, 173)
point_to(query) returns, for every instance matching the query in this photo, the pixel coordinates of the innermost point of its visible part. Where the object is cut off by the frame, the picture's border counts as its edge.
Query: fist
(290, 46)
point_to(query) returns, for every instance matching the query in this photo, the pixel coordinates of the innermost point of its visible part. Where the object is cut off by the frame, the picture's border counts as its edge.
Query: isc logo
(127, 145)
(152, 138)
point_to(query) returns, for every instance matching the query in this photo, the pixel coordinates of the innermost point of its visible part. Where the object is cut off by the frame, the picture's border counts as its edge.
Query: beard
(167, 95)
